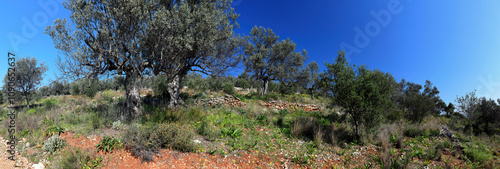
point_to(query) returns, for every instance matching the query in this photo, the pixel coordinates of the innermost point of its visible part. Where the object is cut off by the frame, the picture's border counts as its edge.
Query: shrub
(145, 141)
(270, 96)
(207, 130)
(31, 111)
(90, 88)
(228, 88)
(49, 103)
(243, 83)
(53, 143)
(75, 89)
(77, 159)
(477, 154)
(53, 131)
(303, 127)
(117, 125)
(233, 132)
(262, 119)
(107, 144)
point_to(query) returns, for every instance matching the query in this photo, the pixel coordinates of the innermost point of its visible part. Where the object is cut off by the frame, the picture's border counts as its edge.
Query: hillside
(224, 131)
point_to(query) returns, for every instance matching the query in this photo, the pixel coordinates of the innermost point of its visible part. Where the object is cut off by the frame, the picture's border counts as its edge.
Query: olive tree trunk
(132, 102)
(173, 88)
(265, 86)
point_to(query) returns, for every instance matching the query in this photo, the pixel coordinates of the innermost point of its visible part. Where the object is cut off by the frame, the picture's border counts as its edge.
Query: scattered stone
(229, 100)
(38, 166)
(447, 133)
(280, 105)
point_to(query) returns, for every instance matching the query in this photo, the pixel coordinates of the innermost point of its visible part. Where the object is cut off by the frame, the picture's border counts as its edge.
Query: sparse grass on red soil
(251, 136)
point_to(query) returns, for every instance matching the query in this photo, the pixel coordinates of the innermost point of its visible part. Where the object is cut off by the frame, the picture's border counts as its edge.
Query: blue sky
(454, 44)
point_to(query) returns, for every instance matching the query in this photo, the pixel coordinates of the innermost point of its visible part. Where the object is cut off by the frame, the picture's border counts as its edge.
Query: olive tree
(137, 38)
(27, 77)
(310, 78)
(468, 105)
(363, 94)
(268, 59)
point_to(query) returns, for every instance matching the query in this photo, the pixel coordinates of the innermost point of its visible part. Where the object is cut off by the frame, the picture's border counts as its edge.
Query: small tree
(489, 114)
(468, 105)
(310, 78)
(27, 77)
(362, 93)
(450, 109)
(267, 59)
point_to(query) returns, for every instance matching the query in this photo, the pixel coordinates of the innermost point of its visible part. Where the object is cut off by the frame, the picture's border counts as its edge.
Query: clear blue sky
(454, 44)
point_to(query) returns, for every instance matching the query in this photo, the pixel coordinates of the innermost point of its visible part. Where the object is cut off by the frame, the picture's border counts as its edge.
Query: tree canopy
(137, 38)
(267, 58)
(28, 75)
(362, 93)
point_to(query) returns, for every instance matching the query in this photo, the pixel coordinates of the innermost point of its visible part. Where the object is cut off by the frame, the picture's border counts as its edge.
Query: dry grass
(390, 135)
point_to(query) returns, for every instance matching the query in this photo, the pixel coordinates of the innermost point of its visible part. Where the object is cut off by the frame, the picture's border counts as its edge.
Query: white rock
(197, 141)
(38, 166)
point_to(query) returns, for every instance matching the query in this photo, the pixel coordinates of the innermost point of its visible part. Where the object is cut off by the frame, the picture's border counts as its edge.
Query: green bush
(75, 89)
(270, 96)
(144, 141)
(53, 143)
(228, 88)
(107, 144)
(90, 88)
(49, 104)
(31, 111)
(243, 83)
(77, 159)
(477, 154)
(54, 130)
(206, 129)
(117, 125)
(233, 132)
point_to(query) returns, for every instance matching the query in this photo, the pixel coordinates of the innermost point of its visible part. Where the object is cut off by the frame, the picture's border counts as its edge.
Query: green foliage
(159, 86)
(75, 88)
(107, 144)
(477, 153)
(53, 143)
(243, 83)
(28, 75)
(364, 94)
(413, 131)
(31, 111)
(54, 130)
(228, 88)
(143, 141)
(262, 119)
(90, 87)
(233, 132)
(206, 129)
(267, 59)
(77, 159)
(49, 104)
(117, 125)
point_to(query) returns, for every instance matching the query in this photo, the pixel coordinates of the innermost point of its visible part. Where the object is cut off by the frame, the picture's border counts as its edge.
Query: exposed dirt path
(6, 163)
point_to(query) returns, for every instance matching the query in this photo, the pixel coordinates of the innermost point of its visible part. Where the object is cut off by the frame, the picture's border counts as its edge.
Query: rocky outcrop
(447, 133)
(228, 100)
(280, 105)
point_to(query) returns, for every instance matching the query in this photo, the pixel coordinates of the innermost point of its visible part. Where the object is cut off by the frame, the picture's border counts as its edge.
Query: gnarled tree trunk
(132, 102)
(265, 86)
(173, 88)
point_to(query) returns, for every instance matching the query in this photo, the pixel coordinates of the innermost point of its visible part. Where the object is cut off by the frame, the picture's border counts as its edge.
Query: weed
(76, 159)
(117, 125)
(53, 143)
(233, 132)
(53, 131)
(107, 144)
